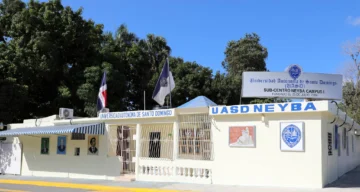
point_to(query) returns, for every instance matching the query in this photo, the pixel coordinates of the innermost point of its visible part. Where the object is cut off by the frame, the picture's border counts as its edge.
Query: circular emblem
(291, 135)
(163, 82)
(294, 71)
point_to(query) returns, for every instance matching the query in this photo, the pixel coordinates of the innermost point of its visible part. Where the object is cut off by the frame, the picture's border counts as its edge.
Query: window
(77, 151)
(347, 145)
(77, 136)
(344, 138)
(157, 141)
(352, 143)
(339, 147)
(195, 137)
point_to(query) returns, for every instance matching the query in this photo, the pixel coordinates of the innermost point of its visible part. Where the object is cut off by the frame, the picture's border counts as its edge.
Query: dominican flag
(102, 96)
(164, 85)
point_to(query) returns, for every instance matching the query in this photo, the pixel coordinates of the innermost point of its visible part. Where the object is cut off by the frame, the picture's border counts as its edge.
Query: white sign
(138, 114)
(292, 85)
(292, 136)
(267, 108)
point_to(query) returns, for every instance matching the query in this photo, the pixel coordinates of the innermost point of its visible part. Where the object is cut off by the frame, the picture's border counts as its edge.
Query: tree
(191, 80)
(246, 54)
(51, 57)
(50, 48)
(351, 87)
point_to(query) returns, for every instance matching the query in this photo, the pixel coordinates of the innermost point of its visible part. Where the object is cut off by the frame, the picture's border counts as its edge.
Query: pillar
(137, 150)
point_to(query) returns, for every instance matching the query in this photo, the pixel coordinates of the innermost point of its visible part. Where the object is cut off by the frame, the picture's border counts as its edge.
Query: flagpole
(167, 59)
(144, 101)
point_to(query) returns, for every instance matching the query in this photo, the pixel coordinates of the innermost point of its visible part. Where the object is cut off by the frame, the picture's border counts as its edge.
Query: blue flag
(164, 85)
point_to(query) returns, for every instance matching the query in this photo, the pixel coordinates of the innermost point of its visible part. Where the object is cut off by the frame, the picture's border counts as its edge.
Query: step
(127, 178)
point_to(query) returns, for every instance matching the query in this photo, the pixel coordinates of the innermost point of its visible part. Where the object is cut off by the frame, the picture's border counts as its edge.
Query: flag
(102, 96)
(164, 85)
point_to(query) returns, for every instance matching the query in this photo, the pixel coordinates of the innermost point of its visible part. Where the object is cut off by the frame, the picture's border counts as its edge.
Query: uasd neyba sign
(264, 108)
(292, 83)
(138, 114)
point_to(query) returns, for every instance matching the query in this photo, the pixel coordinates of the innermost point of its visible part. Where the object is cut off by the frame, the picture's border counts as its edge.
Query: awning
(92, 129)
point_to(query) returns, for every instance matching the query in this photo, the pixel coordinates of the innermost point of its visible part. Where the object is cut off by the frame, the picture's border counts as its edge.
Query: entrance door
(154, 145)
(10, 158)
(126, 148)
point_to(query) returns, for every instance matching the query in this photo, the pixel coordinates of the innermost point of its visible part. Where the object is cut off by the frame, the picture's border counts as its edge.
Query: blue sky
(308, 33)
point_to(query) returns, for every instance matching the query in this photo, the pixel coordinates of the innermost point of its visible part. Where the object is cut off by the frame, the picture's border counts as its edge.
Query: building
(297, 144)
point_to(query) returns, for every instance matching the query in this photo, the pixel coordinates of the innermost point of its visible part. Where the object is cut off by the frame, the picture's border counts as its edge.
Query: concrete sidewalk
(348, 183)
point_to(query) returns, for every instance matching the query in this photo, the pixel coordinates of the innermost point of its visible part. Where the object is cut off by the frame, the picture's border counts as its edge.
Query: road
(350, 182)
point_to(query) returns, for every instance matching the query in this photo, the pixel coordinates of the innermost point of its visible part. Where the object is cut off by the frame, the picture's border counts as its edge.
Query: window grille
(195, 140)
(157, 141)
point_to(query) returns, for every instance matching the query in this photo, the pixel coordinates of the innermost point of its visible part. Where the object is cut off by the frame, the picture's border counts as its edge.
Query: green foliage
(51, 57)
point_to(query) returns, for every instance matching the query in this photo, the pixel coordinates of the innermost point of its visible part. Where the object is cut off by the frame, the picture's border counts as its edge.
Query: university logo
(163, 82)
(291, 135)
(294, 71)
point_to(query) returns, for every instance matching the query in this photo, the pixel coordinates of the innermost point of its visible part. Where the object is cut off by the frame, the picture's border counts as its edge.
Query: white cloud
(355, 21)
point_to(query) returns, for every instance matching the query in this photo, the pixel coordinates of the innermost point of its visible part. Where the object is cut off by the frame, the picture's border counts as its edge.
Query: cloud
(354, 21)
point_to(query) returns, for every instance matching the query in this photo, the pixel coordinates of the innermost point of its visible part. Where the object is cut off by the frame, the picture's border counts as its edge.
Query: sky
(308, 33)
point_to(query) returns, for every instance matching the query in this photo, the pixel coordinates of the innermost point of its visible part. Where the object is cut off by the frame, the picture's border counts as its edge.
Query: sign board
(292, 84)
(330, 137)
(266, 108)
(138, 114)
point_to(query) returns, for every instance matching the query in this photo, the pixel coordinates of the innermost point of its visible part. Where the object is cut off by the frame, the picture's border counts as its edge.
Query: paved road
(350, 182)
(32, 188)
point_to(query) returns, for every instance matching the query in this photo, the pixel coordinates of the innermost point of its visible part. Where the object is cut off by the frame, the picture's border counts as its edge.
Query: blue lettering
(244, 109)
(224, 110)
(234, 109)
(295, 106)
(310, 106)
(214, 110)
(269, 108)
(257, 108)
(282, 107)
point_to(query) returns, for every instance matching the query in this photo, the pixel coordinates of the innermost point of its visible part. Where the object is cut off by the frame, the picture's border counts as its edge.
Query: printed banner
(93, 145)
(61, 145)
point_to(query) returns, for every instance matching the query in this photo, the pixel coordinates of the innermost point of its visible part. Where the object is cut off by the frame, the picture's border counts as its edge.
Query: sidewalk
(348, 183)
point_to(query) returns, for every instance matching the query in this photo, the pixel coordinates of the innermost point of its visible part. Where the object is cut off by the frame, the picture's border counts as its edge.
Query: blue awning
(92, 129)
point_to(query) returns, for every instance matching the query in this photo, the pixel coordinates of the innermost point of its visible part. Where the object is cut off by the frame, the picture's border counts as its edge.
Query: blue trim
(92, 129)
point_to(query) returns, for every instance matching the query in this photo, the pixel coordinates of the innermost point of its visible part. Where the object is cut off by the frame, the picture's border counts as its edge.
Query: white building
(281, 144)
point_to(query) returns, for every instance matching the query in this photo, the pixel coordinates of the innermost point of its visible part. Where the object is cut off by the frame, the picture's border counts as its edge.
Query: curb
(90, 187)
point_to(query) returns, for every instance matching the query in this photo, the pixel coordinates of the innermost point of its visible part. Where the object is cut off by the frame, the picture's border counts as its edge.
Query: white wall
(335, 166)
(266, 165)
(53, 165)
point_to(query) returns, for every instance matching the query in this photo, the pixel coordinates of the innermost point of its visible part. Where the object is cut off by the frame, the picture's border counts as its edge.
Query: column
(175, 138)
(175, 145)
(137, 148)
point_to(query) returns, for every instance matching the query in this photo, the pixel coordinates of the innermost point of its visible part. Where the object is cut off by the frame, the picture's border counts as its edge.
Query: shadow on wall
(5, 157)
(68, 165)
(349, 180)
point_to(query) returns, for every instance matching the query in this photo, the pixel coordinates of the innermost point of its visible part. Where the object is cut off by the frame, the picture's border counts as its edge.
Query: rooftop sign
(138, 114)
(267, 108)
(292, 84)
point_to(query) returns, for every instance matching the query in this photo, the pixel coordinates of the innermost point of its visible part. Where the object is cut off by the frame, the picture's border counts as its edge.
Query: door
(126, 148)
(10, 158)
(154, 145)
